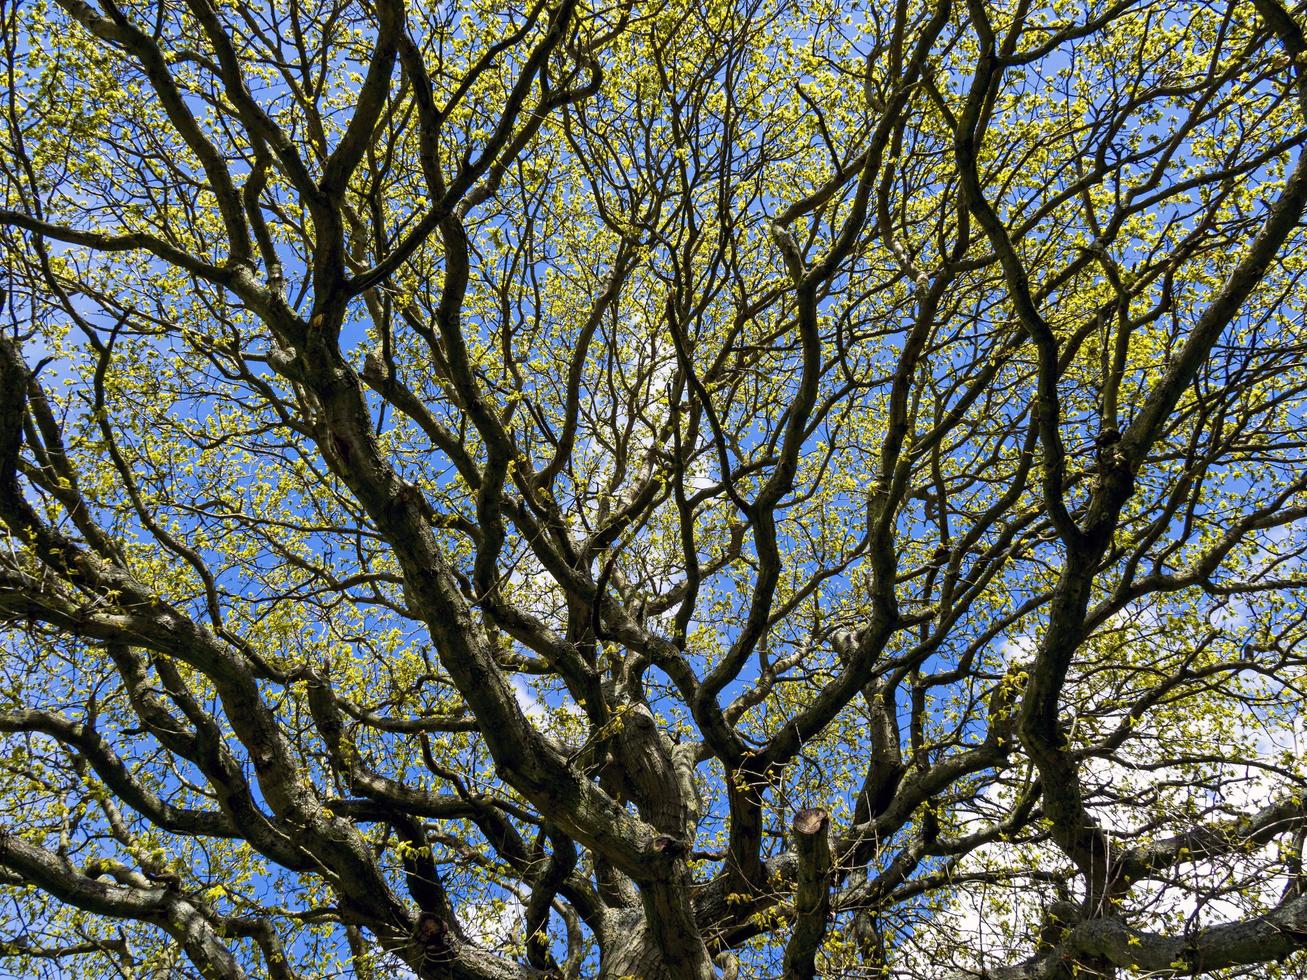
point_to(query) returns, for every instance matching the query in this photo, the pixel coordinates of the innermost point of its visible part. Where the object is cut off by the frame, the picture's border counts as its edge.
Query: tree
(707, 489)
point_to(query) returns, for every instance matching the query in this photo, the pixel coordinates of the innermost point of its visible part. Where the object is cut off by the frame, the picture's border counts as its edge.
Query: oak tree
(713, 488)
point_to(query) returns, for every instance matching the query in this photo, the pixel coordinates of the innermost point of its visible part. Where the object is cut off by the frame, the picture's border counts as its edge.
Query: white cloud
(495, 923)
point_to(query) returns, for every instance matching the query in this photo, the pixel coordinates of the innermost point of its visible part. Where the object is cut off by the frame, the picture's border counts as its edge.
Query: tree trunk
(631, 952)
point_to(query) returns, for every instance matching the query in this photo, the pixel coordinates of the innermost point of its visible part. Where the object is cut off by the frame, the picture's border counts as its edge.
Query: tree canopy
(741, 488)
